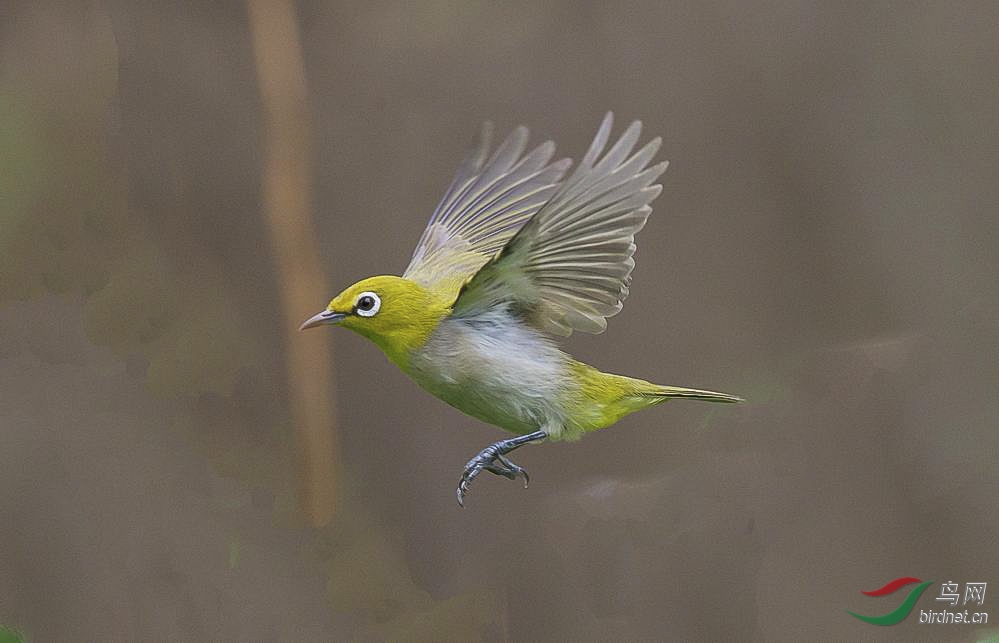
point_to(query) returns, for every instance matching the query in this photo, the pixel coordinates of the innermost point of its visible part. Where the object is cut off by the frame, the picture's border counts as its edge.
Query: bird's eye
(368, 304)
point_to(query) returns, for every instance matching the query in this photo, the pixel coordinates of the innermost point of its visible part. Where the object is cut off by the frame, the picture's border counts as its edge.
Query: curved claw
(515, 470)
(463, 483)
(487, 460)
(471, 471)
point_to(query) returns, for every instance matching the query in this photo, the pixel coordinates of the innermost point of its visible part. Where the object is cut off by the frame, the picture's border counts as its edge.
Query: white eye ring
(373, 310)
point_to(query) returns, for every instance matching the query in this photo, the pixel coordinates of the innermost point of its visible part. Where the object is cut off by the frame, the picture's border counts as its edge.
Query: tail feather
(605, 398)
(668, 392)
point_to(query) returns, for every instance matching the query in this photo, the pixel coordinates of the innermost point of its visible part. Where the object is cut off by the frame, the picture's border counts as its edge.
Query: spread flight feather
(510, 233)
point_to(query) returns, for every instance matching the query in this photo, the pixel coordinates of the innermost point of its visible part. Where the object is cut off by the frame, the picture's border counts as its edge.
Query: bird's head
(397, 314)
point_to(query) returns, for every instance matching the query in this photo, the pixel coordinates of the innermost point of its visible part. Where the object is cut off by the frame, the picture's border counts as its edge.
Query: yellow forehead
(382, 285)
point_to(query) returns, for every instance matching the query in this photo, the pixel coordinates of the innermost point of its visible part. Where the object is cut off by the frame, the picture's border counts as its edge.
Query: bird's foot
(508, 469)
(490, 459)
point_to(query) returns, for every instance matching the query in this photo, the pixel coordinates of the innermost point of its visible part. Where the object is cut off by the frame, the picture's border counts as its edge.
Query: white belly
(497, 370)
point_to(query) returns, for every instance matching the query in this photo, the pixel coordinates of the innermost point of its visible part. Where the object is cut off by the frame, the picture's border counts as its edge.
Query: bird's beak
(325, 317)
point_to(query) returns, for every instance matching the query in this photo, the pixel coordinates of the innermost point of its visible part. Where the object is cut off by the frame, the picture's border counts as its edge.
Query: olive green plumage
(606, 398)
(516, 253)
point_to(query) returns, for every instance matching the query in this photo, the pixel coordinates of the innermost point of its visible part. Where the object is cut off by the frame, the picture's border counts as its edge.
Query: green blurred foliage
(8, 635)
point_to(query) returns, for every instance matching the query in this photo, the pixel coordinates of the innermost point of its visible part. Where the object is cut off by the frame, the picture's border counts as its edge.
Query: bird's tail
(670, 392)
(605, 398)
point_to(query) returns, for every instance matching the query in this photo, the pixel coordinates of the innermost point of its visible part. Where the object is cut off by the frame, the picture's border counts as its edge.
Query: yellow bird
(514, 254)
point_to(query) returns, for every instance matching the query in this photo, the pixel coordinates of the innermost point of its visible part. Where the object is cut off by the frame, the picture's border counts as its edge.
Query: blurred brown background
(182, 182)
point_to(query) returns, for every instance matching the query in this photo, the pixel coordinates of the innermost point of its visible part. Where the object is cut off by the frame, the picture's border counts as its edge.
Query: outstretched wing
(490, 198)
(570, 266)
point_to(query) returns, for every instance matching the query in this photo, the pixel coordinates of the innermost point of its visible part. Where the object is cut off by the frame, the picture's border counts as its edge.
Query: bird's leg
(493, 459)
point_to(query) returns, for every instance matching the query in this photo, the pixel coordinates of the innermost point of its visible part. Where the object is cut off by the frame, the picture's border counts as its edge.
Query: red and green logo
(900, 612)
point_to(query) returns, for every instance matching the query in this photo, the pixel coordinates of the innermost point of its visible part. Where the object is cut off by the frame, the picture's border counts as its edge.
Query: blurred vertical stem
(286, 189)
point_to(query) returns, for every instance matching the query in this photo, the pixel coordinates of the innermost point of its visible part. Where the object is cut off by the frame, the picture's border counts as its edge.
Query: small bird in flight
(516, 253)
